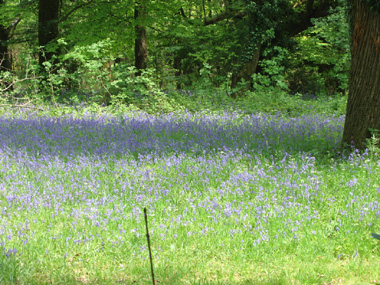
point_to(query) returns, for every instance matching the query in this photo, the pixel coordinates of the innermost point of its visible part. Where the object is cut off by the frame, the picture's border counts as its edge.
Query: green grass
(248, 216)
(326, 256)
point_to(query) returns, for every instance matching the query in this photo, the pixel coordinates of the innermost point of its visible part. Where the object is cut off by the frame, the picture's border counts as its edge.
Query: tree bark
(177, 67)
(141, 43)
(246, 71)
(48, 16)
(5, 59)
(302, 20)
(363, 106)
(247, 68)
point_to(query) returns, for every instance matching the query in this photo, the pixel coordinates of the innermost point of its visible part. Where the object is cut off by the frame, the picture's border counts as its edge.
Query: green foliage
(199, 47)
(91, 62)
(97, 40)
(97, 20)
(277, 101)
(373, 144)
(272, 74)
(373, 4)
(265, 18)
(140, 91)
(320, 63)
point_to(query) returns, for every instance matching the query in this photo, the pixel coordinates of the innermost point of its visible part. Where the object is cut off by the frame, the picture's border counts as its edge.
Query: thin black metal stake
(150, 252)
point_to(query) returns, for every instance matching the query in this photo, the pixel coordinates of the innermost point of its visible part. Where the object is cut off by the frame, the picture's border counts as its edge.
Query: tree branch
(13, 25)
(25, 105)
(64, 18)
(304, 18)
(225, 15)
(182, 12)
(309, 6)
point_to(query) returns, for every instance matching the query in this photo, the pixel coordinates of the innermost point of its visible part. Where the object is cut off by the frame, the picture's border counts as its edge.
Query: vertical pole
(150, 252)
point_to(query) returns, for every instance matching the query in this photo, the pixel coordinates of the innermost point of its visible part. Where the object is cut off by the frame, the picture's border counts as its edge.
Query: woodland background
(228, 120)
(152, 54)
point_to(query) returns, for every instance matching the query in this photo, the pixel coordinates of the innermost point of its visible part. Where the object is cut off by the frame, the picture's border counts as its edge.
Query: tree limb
(65, 17)
(182, 12)
(23, 106)
(13, 25)
(309, 6)
(225, 15)
(304, 18)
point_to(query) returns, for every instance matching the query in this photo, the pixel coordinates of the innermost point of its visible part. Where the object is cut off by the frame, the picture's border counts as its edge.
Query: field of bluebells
(231, 198)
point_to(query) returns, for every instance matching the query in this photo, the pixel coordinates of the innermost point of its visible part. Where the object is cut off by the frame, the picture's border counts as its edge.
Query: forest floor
(259, 196)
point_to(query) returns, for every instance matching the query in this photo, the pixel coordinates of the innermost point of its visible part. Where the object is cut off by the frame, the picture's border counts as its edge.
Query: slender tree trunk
(246, 71)
(5, 59)
(248, 68)
(177, 66)
(48, 13)
(141, 44)
(363, 106)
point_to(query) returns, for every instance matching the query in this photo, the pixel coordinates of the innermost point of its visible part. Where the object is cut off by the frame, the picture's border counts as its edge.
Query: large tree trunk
(363, 106)
(48, 13)
(141, 44)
